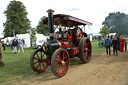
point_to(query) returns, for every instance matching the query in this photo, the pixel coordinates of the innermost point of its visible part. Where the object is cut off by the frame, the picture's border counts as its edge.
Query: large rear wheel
(85, 50)
(60, 62)
(39, 61)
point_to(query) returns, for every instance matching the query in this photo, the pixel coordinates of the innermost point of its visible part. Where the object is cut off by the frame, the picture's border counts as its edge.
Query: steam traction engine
(69, 41)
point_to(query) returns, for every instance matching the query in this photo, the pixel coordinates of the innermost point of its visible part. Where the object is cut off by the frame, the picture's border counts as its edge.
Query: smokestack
(50, 22)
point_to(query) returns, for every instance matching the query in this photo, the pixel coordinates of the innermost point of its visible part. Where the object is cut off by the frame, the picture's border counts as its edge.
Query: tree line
(18, 22)
(115, 22)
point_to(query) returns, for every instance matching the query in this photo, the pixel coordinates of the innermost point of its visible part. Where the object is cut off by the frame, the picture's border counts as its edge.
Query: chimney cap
(50, 10)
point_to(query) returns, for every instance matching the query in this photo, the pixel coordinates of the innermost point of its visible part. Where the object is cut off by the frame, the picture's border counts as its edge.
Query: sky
(93, 11)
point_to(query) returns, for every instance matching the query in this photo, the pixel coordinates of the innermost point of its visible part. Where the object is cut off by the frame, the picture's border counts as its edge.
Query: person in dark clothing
(115, 45)
(118, 42)
(107, 45)
(14, 44)
(4, 45)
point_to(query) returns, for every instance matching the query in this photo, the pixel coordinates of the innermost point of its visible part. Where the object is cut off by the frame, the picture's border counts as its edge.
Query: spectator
(23, 41)
(108, 44)
(102, 41)
(99, 44)
(115, 45)
(118, 43)
(20, 46)
(122, 40)
(14, 44)
(4, 45)
(7, 43)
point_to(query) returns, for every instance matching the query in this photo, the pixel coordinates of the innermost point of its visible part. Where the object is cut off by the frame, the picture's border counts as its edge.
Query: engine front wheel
(39, 61)
(60, 62)
(85, 50)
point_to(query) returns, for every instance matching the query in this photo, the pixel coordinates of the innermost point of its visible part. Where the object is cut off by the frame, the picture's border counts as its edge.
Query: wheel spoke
(36, 58)
(63, 67)
(43, 64)
(58, 58)
(66, 62)
(86, 45)
(42, 55)
(58, 67)
(64, 58)
(36, 62)
(38, 66)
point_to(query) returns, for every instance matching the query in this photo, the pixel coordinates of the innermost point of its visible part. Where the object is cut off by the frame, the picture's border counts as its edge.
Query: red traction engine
(68, 42)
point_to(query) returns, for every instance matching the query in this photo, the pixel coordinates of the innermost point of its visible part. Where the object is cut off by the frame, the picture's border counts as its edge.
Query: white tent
(112, 34)
(26, 38)
(96, 34)
(7, 38)
(41, 37)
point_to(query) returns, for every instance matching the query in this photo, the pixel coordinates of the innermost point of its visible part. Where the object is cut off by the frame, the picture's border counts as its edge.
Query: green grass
(17, 66)
(96, 51)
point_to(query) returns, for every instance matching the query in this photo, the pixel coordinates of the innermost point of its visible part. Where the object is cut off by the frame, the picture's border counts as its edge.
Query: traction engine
(68, 42)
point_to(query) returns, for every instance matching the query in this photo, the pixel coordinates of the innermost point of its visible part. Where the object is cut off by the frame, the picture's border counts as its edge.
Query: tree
(104, 30)
(42, 28)
(16, 19)
(32, 31)
(117, 22)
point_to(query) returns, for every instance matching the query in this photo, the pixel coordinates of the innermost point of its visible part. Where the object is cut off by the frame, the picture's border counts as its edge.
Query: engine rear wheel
(60, 62)
(39, 61)
(85, 50)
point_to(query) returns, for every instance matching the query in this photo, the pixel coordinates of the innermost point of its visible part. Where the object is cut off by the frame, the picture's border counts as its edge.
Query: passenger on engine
(65, 33)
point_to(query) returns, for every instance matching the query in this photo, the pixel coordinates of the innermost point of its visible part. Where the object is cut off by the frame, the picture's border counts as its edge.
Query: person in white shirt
(20, 46)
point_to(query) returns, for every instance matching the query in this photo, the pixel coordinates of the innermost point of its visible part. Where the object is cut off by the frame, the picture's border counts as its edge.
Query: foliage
(42, 28)
(16, 19)
(117, 23)
(32, 31)
(104, 30)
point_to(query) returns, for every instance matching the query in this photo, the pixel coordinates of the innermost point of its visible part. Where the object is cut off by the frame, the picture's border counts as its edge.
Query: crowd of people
(15, 44)
(117, 42)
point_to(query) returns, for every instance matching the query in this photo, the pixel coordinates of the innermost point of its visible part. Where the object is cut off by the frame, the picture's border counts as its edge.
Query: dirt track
(103, 70)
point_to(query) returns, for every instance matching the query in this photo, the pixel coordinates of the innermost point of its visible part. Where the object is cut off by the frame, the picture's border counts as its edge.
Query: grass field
(17, 66)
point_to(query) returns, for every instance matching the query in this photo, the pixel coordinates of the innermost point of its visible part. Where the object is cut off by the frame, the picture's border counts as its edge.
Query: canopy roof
(67, 20)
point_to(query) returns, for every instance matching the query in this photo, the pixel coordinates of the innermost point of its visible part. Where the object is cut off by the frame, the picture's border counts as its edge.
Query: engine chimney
(50, 23)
